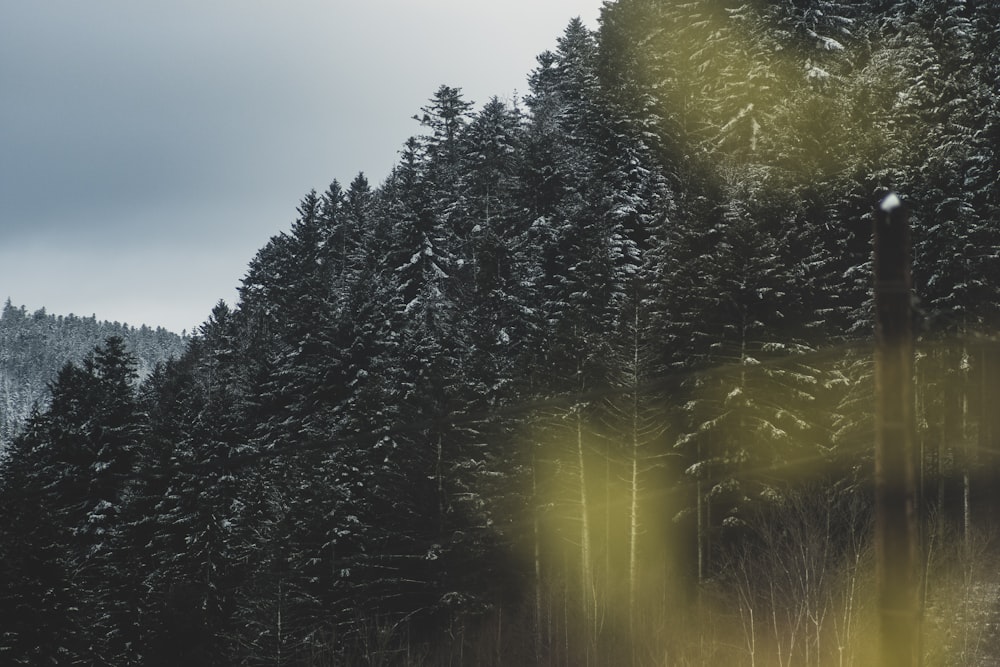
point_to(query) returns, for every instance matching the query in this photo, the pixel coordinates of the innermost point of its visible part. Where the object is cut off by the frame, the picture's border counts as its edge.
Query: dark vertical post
(896, 541)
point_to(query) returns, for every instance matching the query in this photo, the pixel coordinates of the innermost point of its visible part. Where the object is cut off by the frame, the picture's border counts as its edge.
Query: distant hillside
(34, 346)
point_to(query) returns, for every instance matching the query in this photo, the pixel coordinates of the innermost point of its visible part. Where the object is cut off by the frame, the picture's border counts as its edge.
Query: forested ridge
(35, 345)
(586, 380)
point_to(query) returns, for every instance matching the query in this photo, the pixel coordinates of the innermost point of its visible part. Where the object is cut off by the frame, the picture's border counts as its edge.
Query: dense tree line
(586, 380)
(35, 345)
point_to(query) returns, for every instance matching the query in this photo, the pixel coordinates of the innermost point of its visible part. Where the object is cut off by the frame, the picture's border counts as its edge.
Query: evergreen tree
(77, 461)
(39, 602)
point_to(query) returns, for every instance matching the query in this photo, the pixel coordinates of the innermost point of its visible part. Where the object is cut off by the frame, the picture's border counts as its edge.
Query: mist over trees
(586, 380)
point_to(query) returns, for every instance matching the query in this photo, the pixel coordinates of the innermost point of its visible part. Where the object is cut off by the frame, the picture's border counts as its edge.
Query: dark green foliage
(451, 417)
(73, 467)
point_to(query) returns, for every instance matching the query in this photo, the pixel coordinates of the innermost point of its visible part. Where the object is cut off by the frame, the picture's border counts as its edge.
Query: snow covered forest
(586, 381)
(35, 345)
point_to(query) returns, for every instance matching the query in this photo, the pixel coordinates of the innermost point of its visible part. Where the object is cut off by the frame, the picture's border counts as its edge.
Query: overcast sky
(149, 149)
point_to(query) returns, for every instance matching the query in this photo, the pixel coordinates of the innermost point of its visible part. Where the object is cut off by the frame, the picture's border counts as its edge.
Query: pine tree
(76, 461)
(39, 601)
(584, 254)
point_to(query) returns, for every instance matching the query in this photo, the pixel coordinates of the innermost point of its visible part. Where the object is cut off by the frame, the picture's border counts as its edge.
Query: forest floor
(980, 642)
(962, 622)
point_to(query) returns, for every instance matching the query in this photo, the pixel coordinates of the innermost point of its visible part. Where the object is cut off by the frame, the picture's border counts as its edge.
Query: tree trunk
(586, 564)
(633, 536)
(967, 452)
(538, 561)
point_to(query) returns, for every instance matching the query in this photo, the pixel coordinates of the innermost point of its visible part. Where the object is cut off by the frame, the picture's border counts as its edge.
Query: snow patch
(695, 470)
(830, 44)
(890, 203)
(826, 43)
(817, 74)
